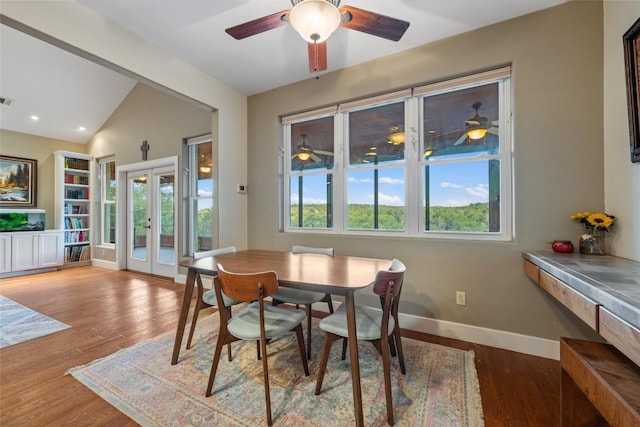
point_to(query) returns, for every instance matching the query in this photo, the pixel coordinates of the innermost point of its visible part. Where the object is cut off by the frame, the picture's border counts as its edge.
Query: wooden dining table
(336, 275)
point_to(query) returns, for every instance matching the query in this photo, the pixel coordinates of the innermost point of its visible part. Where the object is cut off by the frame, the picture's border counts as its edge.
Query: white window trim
(414, 163)
(191, 191)
(102, 186)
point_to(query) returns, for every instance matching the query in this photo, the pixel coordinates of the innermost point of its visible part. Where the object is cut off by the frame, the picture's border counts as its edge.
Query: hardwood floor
(109, 310)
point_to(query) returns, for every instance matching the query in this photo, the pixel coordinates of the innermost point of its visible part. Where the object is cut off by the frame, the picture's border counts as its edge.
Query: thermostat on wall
(242, 188)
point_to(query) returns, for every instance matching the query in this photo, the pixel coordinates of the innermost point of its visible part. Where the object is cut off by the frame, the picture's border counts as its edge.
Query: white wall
(78, 28)
(621, 177)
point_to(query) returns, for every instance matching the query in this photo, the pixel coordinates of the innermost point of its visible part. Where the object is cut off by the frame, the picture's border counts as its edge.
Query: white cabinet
(74, 175)
(23, 251)
(50, 250)
(5, 253)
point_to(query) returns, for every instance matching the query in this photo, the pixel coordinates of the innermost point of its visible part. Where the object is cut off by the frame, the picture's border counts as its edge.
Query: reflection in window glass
(108, 194)
(376, 191)
(462, 192)
(432, 161)
(310, 180)
(202, 199)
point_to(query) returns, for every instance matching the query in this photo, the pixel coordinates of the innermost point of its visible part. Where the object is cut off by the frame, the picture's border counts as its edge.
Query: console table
(600, 382)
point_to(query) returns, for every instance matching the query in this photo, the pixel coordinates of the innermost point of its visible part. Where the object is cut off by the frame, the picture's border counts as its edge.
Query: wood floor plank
(110, 310)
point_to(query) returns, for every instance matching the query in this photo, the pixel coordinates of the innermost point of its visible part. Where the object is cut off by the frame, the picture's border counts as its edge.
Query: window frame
(103, 165)
(190, 192)
(414, 162)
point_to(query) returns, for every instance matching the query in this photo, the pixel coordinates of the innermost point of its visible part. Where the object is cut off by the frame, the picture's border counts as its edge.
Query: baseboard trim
(111, 265)
(505, 340)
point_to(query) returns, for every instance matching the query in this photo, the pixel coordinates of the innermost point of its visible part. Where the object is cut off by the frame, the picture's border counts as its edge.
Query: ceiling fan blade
(374, 23)
(462, 139)
(317, 56)
(325, 153)
(259, 25)
(315, 158)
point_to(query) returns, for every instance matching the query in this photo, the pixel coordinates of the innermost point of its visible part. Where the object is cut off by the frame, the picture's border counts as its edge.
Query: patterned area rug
(440, 387)
(19, 323)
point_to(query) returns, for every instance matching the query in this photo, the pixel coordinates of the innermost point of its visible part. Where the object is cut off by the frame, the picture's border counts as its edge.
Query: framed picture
(631, 44)
(18, 182)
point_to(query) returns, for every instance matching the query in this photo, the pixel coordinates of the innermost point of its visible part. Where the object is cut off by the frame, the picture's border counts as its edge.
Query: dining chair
(376, 327)
(208, 298)
(306, 298)
(255, 322)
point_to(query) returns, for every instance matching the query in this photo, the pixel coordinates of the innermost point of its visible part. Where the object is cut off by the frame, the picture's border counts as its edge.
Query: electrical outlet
(461, 298)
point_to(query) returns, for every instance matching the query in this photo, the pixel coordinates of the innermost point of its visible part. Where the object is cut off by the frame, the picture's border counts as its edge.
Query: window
(310, 178)
(107, 202)
(431, 161)
(199, 195)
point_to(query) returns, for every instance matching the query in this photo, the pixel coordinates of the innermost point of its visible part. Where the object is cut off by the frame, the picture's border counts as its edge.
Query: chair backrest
(297, 249)
(397, 265)
(388, 286)
(214, 252)
(247, 287)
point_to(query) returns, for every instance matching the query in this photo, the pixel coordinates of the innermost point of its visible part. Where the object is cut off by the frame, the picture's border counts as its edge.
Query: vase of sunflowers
(595, 227)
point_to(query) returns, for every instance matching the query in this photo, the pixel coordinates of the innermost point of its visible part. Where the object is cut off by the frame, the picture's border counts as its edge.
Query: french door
(151, 231)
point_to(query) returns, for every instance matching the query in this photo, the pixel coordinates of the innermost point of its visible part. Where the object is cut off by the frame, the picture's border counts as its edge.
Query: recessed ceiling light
(35, 118)
(82, 128)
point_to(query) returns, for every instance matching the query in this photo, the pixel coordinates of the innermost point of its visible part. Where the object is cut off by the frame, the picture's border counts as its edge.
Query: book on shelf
(73, 163)
(77, 253)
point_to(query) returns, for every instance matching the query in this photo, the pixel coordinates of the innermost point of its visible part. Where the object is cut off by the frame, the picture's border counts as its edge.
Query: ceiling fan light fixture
(314, 20)
(476, 133)
(396, 138)
(304, 155)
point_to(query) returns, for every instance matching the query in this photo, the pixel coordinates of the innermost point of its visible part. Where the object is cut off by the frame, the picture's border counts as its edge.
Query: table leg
(353, 358)
(184, 312)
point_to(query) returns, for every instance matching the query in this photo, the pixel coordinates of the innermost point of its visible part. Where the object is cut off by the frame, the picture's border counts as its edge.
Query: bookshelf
(74, 175)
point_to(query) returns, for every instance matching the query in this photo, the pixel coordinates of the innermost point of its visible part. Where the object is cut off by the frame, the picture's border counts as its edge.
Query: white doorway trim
(121, 202)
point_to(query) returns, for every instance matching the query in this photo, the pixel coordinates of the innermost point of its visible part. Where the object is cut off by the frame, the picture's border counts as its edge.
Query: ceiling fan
(477, 126)
(316, 20)
(305, 152)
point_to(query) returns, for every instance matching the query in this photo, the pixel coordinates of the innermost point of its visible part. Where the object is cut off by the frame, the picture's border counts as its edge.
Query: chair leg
(228, 309)
(192, 329)
(309, 331)
(345, 341)
(265, 369)
(386, 368)
(300, 338)
(327, 299)
(216, 359)
(396, 335)
(329, 338)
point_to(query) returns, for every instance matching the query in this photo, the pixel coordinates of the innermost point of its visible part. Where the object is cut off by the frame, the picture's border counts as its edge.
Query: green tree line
(470, 218)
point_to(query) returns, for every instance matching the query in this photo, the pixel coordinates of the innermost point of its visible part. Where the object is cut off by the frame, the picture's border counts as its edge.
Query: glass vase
(592, 244)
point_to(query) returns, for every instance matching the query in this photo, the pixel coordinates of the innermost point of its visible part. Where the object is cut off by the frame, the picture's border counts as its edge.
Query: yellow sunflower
(599, 220)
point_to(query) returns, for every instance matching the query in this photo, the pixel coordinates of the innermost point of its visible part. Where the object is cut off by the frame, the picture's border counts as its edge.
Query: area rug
(19, 323)
(440, 387)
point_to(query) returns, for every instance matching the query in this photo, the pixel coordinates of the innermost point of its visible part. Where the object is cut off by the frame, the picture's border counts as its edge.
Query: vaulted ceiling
(67, 92)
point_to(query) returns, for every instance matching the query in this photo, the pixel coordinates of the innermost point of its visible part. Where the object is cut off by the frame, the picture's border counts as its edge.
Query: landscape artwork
(18, 182)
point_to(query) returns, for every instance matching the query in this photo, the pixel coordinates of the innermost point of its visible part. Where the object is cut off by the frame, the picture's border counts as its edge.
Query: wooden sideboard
(600, 382)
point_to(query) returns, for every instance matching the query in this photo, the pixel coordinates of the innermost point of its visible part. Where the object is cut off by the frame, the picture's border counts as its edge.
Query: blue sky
(456, 184)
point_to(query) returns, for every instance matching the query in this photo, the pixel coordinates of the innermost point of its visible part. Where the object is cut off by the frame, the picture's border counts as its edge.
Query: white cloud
(387, 199)
(205, 193)
(480, 192)
(450, 185)
(390, 180)
(308, 200)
